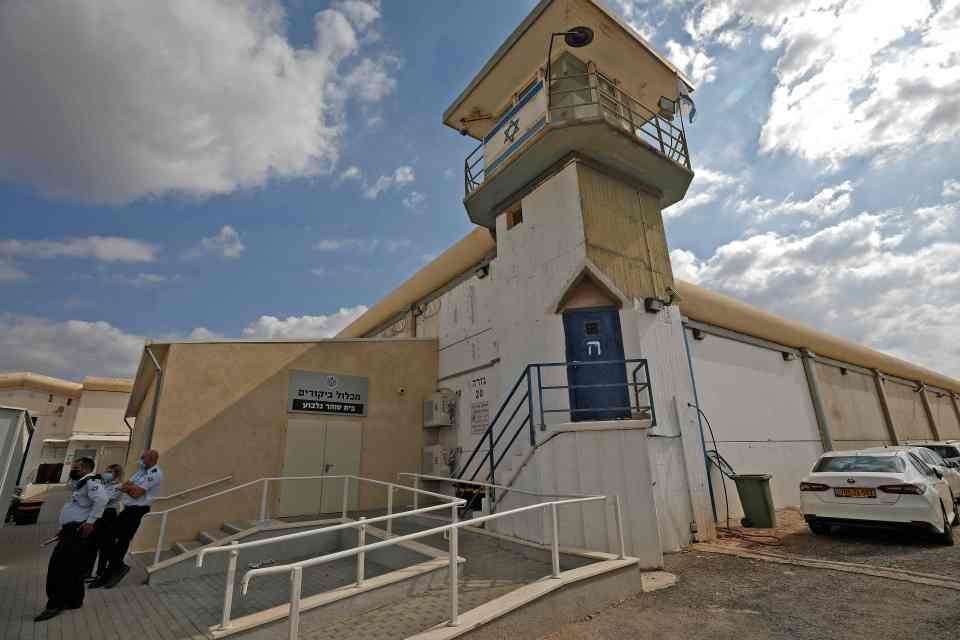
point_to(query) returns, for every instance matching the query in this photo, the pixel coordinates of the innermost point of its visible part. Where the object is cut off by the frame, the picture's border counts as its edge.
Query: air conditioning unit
(440, 410)
(435, 461)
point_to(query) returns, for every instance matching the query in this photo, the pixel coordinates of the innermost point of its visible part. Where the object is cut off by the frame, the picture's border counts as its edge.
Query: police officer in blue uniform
(139, 493)
(71, 556)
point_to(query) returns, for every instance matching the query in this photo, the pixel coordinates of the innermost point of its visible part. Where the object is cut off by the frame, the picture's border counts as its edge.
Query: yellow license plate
(854, 492)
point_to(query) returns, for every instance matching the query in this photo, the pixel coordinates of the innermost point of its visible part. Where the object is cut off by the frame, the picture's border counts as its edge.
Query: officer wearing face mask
(138, 494)
(104, 531)
(71, 556)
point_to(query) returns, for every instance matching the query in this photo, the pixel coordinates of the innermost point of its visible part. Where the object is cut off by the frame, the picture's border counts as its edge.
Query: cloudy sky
(265, 168)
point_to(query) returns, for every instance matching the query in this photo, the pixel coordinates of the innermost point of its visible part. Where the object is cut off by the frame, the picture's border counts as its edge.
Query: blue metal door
(597, 391)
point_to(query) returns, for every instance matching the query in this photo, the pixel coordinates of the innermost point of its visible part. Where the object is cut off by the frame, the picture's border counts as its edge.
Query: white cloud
(868, 278)
(707, 186)
(361, 13)
(102, 248)
(179, 96)
(70, 349)
(351, 173)
(313, 327)
(202, 333)
(827, 203)
(402, 176)
(700, 67)
(362, 245)
(225, 244)
(951, 189)
(414, 201)
(140, 279)
(847, 90)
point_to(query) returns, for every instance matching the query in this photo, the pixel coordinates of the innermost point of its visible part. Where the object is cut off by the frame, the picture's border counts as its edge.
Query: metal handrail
(264, 495)
(295, 569)
(469, 470)
(508, 489)
(645, 124)
(192, 489)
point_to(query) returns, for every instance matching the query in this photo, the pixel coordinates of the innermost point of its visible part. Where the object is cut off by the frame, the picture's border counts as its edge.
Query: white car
(879, 487)
(933, 459)
(949, 450)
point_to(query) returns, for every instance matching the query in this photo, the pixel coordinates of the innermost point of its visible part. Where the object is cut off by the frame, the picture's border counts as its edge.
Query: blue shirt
(149, 480)
(87, 503)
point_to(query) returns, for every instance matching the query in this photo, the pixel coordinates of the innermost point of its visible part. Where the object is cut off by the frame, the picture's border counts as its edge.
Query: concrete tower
(582, 145)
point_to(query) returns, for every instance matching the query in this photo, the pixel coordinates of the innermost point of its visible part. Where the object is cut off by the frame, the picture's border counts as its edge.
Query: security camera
(463, 131)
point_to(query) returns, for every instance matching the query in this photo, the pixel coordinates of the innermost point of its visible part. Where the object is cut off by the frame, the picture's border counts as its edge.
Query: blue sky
(252, 168)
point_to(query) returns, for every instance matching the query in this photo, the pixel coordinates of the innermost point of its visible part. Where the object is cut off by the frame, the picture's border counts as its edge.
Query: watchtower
(581, 145)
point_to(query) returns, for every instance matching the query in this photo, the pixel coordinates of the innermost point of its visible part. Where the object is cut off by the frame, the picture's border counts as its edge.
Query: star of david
(510, 133)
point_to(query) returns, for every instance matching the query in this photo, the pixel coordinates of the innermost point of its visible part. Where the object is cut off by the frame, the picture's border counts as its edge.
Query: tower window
(69, 400)
(514, 217)
(50, 398)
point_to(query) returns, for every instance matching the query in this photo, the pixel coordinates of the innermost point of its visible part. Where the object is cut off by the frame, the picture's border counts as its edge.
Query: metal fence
(592, 96)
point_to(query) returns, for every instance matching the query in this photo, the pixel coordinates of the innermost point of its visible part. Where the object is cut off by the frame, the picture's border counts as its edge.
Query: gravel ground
(720, 597)
(913, 551)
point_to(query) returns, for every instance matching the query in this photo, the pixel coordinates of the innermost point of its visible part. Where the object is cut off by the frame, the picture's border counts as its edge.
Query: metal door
(342, 457)
(597, 391)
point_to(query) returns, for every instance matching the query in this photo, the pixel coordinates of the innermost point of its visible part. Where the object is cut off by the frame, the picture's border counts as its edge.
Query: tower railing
(581, 98)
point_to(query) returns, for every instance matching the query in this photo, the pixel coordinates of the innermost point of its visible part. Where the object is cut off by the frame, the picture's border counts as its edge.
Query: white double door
(317, 447)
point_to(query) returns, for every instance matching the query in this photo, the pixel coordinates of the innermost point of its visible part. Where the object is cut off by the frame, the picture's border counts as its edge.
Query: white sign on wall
(479, 405)
(327, 393)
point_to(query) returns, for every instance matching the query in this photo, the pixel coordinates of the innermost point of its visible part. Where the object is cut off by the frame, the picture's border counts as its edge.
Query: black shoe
(46, 614)
(116, 578)
(97, 583)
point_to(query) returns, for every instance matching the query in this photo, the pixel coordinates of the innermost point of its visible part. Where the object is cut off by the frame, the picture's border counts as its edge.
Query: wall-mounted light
(788, 356)
(653, 305)
(483, 271)
(843, 371)
(698, 334)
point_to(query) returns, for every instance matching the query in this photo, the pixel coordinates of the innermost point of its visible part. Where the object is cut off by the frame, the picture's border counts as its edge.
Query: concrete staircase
(225, 534)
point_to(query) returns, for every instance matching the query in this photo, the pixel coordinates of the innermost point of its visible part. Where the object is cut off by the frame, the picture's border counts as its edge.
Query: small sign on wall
(327, 393)
(479, 405)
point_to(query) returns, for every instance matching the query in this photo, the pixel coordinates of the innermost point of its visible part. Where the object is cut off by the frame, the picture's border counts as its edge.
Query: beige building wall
(223, 412)
(906, 407)
(944, 414)
(852, 407)
(624, 234)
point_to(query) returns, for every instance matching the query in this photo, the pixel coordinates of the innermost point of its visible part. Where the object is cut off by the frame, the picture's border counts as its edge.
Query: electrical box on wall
(440, 410)
(435, 461)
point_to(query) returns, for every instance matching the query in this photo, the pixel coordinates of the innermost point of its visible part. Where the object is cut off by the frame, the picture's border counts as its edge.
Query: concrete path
(185, 609)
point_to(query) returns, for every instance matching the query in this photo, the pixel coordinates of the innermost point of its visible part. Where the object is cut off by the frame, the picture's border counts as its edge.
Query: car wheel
(819, 528)
(946, 537)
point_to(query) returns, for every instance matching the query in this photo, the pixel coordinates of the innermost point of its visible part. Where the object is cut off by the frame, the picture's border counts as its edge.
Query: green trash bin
(754, 492)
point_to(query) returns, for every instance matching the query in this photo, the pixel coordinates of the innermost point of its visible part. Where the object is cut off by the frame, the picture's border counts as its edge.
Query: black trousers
(103, 542)
(125, 527)
(69, 561)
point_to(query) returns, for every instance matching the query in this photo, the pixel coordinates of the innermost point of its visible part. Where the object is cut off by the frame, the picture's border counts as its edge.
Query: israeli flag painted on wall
(522, 121)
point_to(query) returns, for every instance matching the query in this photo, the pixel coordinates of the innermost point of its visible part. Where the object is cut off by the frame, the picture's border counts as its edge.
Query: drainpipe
(813, 383)
(956, 406)
(156, 400)
(885, 407)
(934, 429)
(126, 456)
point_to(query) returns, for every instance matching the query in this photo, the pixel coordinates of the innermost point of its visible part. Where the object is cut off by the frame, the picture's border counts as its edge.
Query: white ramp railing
(295, 569)
(265, 493)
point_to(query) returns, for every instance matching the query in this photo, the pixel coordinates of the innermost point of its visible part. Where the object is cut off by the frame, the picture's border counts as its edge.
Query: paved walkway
(185, 609)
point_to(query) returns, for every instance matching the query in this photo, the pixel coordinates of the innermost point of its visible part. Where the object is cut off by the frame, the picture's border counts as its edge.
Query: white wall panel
(760, 409)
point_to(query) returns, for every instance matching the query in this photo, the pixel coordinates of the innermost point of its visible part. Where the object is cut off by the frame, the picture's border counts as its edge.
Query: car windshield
(942, 450)
(872, 464)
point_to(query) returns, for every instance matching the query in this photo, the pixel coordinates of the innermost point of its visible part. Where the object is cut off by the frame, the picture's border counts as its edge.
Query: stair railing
(521, 397)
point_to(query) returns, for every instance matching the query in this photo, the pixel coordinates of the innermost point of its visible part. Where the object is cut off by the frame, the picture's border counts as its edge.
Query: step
(237, 526)
(205, 537)
(186, 547)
